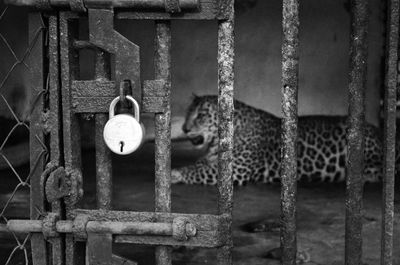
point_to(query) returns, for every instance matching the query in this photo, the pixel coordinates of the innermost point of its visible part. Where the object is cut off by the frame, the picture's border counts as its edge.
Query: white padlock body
(125, 130)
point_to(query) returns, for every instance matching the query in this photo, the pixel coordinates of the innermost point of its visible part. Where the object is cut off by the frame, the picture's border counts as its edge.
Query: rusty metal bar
(103, 165)
(391, 78)
(37, 199)
(103, 154)
(162, 63)
(290, 78)
(211, 230)
(131, 4)
(355, 135)
(101, 227)
(99, 247)
(54, 105)
(69, 58)
(226, 53)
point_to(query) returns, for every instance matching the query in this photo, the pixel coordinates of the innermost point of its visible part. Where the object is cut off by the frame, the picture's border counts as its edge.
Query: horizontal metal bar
(203, 239)
(131, 4)
(203, 222)
(103, 227)
(211, 230)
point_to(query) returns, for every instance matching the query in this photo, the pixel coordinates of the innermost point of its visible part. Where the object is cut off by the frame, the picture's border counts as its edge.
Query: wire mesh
(15, 110)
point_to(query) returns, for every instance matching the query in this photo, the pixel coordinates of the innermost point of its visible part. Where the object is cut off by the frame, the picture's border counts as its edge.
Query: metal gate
(63, 234)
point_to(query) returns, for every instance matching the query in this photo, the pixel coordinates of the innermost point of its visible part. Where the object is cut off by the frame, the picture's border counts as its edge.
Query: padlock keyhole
(121, 144)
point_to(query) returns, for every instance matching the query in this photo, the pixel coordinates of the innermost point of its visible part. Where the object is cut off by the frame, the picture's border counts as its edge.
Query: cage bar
(290, 73)
(54, 104)
(162, 63)
(99, 246)
(71, 131)
(391, 79)
(355, 133)
(37, 158)
(103, 154)
(225, 59)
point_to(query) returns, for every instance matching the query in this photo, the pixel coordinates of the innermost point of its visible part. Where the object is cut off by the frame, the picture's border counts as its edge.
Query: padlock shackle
(131, 99)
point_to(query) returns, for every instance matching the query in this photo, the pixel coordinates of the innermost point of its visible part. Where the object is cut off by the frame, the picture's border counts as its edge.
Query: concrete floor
(320, 213)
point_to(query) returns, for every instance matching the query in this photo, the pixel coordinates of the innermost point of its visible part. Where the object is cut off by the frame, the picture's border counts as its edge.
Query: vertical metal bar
(103, 154)
(290, 74)
(162, 63)
(226, 53)
(392, 44)
(71, 130)
(57, 244)
(103, 165)
(37, 159)
(99, 246)
(355, 135)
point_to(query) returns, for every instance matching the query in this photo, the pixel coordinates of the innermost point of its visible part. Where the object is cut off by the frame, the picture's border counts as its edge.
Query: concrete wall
(324, 36)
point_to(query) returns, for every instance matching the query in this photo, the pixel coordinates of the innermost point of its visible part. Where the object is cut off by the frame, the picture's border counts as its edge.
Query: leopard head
(201, 123)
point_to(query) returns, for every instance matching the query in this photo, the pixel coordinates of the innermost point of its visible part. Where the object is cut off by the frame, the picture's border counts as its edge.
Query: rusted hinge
(57, 184)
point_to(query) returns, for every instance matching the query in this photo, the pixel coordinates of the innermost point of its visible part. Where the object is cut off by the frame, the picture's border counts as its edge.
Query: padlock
(123, 133)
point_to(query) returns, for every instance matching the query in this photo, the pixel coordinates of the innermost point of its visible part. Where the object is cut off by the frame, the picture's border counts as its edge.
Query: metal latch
(181, 228)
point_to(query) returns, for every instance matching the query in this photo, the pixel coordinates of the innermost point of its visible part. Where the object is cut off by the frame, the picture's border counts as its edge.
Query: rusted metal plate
(290, 78)
(127, 56)
(93, 88)
(91, 105)
(37, 157)
(355, 133)
(92, 96)
(155, 96)
(391, 81)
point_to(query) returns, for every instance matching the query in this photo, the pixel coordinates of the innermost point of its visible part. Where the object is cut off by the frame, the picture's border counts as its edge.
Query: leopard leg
(202, 172)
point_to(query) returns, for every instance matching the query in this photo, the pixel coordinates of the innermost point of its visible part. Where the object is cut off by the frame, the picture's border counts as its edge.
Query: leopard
(321, 146)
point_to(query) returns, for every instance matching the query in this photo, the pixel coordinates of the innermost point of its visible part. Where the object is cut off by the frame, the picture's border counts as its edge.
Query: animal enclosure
(61, 233)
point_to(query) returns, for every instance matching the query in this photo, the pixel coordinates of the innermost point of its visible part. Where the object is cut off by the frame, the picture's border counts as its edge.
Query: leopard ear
(194, 95)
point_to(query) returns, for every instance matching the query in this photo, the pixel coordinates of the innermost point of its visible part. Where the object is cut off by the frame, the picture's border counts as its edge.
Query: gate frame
(63, 61)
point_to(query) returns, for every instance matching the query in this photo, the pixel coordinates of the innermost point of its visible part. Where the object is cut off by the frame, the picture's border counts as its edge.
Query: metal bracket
(127, 57)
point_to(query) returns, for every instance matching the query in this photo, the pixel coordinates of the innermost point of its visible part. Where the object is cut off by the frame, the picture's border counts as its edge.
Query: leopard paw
(176, 176)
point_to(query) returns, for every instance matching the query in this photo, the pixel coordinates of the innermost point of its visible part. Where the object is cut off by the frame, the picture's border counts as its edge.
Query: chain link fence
(16, 106)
